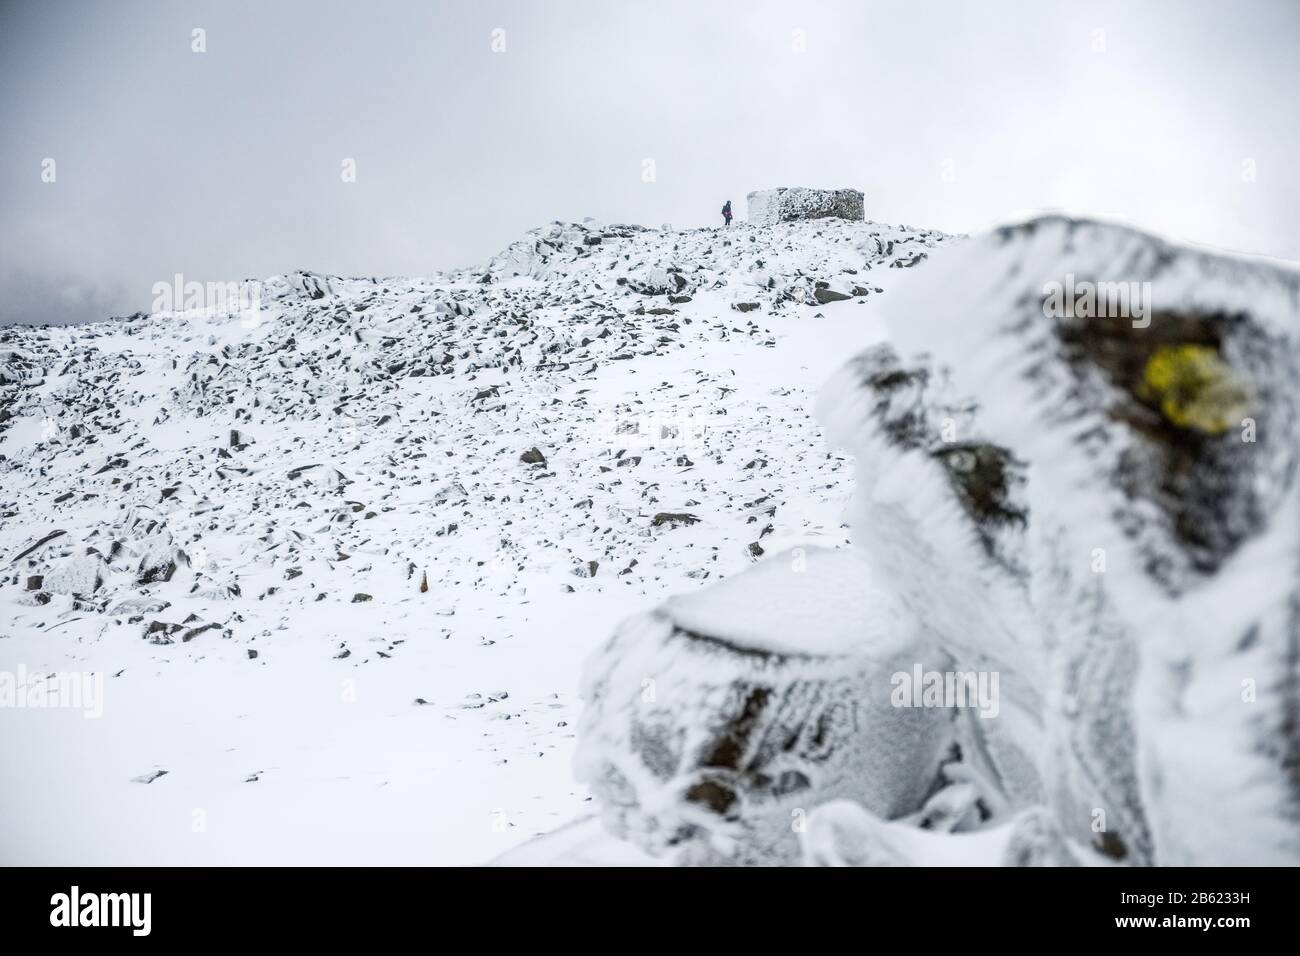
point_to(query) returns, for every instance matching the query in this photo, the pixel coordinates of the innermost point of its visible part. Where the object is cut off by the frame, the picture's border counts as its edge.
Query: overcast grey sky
(1179, 116)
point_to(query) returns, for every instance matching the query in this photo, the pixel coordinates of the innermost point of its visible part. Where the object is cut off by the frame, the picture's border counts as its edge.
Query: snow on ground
(327, 595)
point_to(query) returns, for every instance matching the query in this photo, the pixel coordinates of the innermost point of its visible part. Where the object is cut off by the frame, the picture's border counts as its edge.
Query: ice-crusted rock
(842, 833)
(1111, 505)
(532, 256)
(658, 280)
(716, 724)
(78, 572)
(767, 207)
(17, 366)
(59, 563)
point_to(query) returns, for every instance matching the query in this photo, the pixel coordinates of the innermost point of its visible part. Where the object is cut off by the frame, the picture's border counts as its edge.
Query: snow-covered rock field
(338, 566)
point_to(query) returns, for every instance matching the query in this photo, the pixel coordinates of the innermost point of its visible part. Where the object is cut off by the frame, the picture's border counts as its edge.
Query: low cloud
(31, 298)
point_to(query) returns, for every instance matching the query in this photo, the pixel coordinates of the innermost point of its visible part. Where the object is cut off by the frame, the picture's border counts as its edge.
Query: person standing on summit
(726, 213)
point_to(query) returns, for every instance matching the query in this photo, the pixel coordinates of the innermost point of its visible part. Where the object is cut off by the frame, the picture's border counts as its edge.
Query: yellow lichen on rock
(1194, 388)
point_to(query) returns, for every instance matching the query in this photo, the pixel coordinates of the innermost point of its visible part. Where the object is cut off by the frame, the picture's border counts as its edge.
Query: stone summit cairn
(789, 203)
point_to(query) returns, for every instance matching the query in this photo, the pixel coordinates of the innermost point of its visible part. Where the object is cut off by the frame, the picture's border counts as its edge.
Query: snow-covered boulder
(17, 366)
(716, 724)
(658, 281)
(767, 207)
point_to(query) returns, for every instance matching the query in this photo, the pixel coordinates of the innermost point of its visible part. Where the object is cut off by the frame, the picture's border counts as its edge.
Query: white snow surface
(805, 601)
(334, 711)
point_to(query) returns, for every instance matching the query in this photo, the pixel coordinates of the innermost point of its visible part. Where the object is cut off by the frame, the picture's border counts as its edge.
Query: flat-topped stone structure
(789, 203)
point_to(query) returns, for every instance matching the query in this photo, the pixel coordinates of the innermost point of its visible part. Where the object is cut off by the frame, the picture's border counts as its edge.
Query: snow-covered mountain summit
(444, 490)
(148, 440)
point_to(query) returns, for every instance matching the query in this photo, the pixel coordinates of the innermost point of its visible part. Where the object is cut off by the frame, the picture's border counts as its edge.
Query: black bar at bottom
(335, 906)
